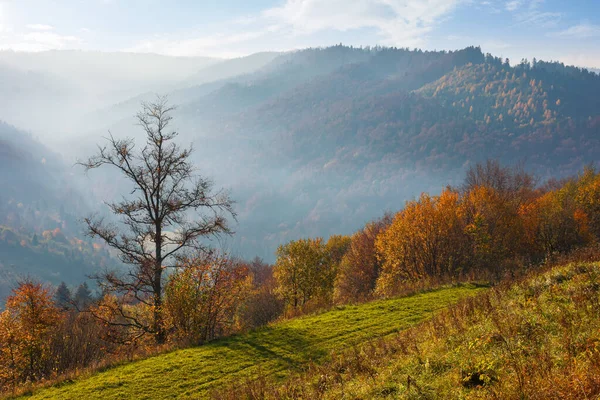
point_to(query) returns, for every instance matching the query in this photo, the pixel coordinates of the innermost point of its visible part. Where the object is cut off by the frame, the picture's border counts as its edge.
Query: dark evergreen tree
(62, 296)
(83, 296)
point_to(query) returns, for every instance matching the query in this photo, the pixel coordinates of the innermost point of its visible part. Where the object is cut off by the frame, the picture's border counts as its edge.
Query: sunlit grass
(535, 339)
(274, 351)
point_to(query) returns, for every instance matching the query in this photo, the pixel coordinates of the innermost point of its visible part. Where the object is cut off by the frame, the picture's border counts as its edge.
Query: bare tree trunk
(166, 194)
(158, 322)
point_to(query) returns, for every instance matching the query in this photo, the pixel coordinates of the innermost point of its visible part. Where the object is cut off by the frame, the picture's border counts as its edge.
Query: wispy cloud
(398, 22)
(581, 31)
(530, 12)
(203, 45)
(513, 5)
(33, 36)
(39, 27)
(37, 40)
(394, 22)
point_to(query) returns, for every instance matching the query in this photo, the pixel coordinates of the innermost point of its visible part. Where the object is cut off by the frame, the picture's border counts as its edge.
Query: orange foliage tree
(588, 199)
(204, 295)
(359, 268)
(555, 222)
(424, 240)
(493, 227)
(26, 327)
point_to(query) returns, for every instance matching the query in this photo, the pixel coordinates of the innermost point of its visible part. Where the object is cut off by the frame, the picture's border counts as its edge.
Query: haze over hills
(41, 205)
(51, 92)
(317, 141)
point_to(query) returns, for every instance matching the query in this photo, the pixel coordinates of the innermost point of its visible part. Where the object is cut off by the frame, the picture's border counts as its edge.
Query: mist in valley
(312, 142)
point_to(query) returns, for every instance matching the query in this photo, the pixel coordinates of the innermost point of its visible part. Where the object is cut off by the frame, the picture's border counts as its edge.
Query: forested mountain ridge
(315, 147)
(319, 141)
(328, 137)
(40, 208)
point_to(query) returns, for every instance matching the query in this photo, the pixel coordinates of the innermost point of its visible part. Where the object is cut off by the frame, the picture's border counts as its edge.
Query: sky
(560, 30)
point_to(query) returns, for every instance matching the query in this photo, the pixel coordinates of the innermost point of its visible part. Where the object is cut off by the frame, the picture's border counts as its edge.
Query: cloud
(585, 60)
(38, 41)
(398, 22)
(209, 44)
(513, 5)
(39, 27)
(581, 31)
(32, 37)
(299, 23)
(529, 12)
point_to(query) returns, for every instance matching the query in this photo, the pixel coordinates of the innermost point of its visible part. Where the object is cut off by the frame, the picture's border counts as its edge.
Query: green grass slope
(536, 339)
(273, 351)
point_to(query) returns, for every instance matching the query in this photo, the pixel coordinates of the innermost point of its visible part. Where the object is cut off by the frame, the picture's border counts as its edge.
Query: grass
(538, 338)
(276, 351)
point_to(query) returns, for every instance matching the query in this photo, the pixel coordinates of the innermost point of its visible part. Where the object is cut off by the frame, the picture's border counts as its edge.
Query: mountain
(116, 74)
(230, 68)
(41, 205)
(338, 148)
(320, 141)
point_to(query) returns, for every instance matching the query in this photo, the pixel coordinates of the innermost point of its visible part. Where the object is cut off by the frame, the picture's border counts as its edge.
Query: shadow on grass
(289, 347)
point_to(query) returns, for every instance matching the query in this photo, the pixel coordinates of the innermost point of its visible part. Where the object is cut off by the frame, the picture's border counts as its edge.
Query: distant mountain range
(319, 141)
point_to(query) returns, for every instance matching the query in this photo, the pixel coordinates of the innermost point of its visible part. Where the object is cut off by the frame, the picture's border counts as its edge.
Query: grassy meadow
(535, 339)
(275, 351)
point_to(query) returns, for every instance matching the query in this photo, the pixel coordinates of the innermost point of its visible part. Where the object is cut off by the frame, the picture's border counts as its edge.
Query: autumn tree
(588, 199)
(424, 240)
(263, 305)
(554, 223)
(12, 359)
(203, 296)
(303, 271)
(493, 227)
(26, 327)
(336, 247)
(169, 210)
(511, 183)
(359, 267)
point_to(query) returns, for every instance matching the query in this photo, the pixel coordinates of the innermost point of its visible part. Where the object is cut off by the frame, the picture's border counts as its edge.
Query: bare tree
(512, 183)
(168, 212)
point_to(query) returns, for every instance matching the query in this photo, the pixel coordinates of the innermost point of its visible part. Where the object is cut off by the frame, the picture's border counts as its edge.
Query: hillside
(535, 339)
(276, 350)
(319, 141)
(379, 129)
(40, 207)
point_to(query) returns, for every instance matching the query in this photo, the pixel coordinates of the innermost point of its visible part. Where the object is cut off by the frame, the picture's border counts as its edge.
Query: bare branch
(169, 209)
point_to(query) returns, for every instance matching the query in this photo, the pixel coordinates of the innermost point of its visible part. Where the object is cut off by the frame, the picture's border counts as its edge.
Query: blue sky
(567, 30)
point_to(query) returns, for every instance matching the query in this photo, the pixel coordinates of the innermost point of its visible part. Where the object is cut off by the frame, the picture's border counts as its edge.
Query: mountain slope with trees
(382, 128)
(319, 141)
(41, 204)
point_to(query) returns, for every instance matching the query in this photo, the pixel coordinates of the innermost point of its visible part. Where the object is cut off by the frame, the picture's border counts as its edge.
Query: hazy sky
(565, 30)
